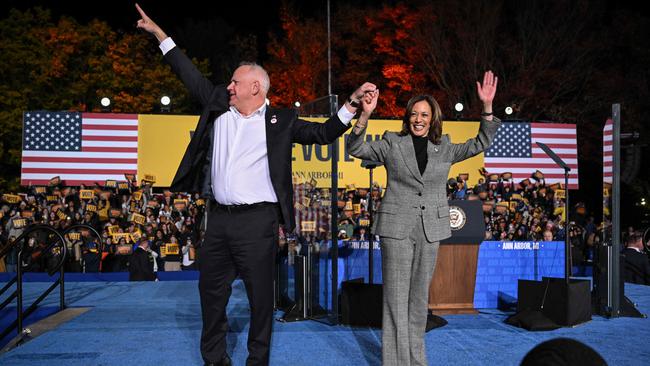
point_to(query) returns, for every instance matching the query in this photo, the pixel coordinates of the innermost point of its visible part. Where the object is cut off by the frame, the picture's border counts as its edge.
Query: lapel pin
(274, 119)
(435, 149)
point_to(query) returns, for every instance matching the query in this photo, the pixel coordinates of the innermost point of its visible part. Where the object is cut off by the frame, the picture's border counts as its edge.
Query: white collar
(258, 112)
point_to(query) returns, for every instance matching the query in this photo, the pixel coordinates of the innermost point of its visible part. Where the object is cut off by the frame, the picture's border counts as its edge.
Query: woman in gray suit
(414, 214)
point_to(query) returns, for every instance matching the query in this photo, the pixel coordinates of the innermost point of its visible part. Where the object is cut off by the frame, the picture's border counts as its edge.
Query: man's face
(243, 87)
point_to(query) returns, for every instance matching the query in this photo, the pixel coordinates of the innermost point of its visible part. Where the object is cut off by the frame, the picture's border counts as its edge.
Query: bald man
(239, 158)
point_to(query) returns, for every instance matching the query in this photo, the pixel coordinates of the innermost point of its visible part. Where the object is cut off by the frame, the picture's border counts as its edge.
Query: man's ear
(256, 87)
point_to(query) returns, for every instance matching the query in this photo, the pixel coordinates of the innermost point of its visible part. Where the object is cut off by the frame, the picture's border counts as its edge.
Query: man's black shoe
(225, 361)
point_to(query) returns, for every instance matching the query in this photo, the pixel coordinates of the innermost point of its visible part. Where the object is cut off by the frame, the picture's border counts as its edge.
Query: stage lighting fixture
(508, 110)
(296, 104)
(106, 104)
(165, 104)
(459, 107)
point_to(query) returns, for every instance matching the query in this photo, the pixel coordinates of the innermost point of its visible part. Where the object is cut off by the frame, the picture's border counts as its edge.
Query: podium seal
(457, 218)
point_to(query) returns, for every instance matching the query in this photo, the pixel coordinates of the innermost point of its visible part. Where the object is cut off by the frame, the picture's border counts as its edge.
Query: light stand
(370, 165)
(567, 243)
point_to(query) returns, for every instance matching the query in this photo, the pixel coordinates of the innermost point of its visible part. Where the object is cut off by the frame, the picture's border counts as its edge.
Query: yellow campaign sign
(162, 140)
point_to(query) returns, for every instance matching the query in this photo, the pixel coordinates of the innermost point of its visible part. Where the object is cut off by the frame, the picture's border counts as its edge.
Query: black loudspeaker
(361, 303)
(563, 304)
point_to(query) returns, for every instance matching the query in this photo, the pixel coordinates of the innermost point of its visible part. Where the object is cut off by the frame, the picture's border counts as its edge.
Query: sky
(249, 16)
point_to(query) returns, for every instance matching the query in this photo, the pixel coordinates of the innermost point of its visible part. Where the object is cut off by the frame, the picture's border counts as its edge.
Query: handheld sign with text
(138, 219)
(110, 183)
(137, 195)
(11, 198)
(118, 236)
(150, 179)
(73, 236)
(61, 215)
(113, 229)
(19, 223)
(133, 206)
(55, 181)
(123, 186)
(172, 249)
(136, 235)
(308, 226)
(91, 208)
(86, 194)
(180, 204)
(115, 212)
(40, 190)
(129, 177)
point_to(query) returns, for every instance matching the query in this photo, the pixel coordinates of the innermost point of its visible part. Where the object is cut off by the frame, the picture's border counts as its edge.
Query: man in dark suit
(637, 263)
(141, 263)
(239, 158)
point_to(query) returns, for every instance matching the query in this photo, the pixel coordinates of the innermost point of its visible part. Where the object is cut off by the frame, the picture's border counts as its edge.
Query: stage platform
(159, 323)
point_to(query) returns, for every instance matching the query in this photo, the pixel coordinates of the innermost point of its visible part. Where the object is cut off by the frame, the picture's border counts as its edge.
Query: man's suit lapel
(271, 124)
(408, 154)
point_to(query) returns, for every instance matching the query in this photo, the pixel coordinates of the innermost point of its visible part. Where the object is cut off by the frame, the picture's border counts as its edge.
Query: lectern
(452, 286)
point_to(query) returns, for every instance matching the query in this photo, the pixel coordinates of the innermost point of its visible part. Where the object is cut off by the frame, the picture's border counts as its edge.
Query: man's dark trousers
(238, 241)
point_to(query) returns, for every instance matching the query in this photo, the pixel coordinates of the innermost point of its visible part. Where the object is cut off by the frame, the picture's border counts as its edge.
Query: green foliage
(63, 65)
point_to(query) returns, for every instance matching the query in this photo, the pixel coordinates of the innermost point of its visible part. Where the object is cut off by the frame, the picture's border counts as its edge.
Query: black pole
(19, 290)
(567, 242)
(334, 250)
(371, 249)
(62, 286)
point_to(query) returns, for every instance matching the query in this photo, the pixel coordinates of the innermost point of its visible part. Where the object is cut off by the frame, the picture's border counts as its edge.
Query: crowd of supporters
(530, 210)
(123, 214)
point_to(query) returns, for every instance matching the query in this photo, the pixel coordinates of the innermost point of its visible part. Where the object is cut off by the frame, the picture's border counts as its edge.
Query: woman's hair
(435, 131)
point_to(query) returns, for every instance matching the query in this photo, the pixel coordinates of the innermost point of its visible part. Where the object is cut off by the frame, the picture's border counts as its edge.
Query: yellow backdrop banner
(162, 140)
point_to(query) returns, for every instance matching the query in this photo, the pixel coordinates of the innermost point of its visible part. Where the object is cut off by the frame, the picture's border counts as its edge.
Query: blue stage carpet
(159, 324)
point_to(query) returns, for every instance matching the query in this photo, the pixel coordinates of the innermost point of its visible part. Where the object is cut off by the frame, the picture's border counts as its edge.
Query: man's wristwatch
(354, 103)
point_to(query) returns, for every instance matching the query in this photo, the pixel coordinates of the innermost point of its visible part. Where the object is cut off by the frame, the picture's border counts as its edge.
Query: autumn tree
(63, 65)
(297, 62)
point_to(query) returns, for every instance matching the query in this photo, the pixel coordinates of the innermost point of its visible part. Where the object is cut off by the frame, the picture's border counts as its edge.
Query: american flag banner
(514, 150)
(81, 148)
(608, 153)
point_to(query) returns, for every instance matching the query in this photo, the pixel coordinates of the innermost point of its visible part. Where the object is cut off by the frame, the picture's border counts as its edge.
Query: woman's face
(420, 119)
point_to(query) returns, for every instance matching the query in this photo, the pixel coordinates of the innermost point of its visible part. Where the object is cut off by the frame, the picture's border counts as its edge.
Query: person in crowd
(637, 262)
(414, 215)
(91, 257)
(173, 256)
(141, 263)
(245, 180)
(547, 235)
(188, 258)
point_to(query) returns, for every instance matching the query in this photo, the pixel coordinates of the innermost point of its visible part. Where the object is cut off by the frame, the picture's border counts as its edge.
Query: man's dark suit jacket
(141, 266)
(283, 128)
(637, 267)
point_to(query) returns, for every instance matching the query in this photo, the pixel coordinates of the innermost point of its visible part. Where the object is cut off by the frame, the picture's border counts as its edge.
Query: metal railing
(58, 246)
